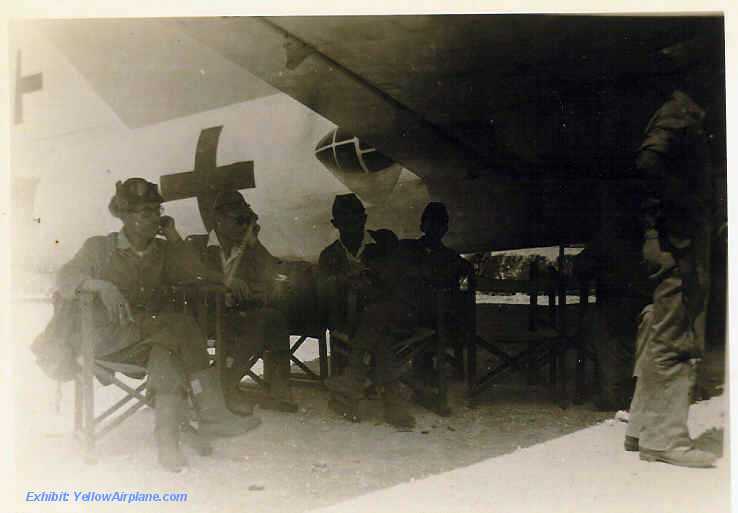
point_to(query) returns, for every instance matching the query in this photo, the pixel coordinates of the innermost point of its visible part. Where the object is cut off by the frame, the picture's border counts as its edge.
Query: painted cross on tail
(24, 85)
(207, 179)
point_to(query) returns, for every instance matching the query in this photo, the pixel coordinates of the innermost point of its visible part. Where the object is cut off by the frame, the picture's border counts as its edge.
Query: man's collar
(364, 241)
(213, 239)
(123, 243)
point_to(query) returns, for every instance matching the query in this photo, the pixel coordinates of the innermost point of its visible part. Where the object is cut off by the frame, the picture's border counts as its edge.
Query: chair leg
(459, 360)
(553, 360)
(332, 364)
(338, 362)
(471, 365)
(532, 368)
(580, 375)
(563, 372)
(88, 391)
(323, 356)
(78, 406)
(441, 343)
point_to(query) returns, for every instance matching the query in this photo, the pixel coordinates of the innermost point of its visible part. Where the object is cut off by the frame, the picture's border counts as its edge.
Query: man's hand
(115, 303)
(168, 229)
(658, 260)
(251, 237)
(240, 289)
(360, 281)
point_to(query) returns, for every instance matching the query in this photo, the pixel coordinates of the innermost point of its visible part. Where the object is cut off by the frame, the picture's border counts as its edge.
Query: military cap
(702, 52)
(434, 211)
(131, 193)
(347, 204)
(233, 201)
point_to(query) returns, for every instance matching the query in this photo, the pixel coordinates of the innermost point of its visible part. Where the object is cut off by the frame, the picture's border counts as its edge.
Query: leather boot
(236, 400)
(346, 392)
(192, 438)
(686, 457)
(168, 412)
(344, 407)
(350, 384)
(215, 419)
(280, 395)
(396, 408)
(631, 444)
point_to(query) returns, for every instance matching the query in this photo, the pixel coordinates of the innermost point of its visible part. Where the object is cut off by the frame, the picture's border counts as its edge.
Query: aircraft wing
(148, 71)
(460, 95)
(445, 96)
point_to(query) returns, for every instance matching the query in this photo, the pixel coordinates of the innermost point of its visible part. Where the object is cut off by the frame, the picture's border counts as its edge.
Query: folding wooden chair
(312, 329)
(307, 376)
(408, 347)
(546, 341)
(91, 426)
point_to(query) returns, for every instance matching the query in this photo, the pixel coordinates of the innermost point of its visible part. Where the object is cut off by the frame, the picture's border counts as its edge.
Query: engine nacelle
(361, 168)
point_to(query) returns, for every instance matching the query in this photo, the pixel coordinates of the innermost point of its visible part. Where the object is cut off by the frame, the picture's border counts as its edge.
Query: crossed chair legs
(172, 415)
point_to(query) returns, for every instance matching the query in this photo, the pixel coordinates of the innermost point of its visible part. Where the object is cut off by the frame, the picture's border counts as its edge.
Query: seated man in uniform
(129, 272)
(441, 266)
(432, 266)
(343, 266)
(259, 323)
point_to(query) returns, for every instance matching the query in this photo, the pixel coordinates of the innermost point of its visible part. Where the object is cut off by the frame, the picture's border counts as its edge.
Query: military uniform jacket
(335, 272)
(259, 269)
(143, 279)
(675, 132)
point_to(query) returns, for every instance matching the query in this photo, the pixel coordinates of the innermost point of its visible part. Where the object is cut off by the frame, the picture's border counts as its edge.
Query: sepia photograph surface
(369, 263)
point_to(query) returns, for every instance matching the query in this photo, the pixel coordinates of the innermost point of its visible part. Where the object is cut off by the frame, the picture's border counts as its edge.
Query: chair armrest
(343, 337)
(201, 286)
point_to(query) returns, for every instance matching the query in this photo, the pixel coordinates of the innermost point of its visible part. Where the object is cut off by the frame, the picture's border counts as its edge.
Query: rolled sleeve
(82, 267)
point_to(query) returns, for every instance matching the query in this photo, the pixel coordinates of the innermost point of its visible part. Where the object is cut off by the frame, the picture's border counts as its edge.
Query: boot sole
(350, 394)
(400, 425)
(244, 426)
(197, 442)
(343, 410)
(284, 407)
(671, 461)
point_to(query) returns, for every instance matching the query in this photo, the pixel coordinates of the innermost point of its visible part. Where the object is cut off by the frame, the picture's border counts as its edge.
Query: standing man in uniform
(129, 271)
(343, 268)
(258, 323)
(673, 159)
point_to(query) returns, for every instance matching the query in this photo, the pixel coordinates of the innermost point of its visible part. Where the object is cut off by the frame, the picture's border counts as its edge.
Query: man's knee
(275, 329)
(181, 324)
(166, 372)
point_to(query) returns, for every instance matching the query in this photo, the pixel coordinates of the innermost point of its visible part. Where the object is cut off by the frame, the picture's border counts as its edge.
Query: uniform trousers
(170, 345)
(671, 339)
(378, 332)
(253, 331)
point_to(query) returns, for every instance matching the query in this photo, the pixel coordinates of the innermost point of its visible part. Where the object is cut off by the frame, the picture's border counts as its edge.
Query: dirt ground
(292, 462)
